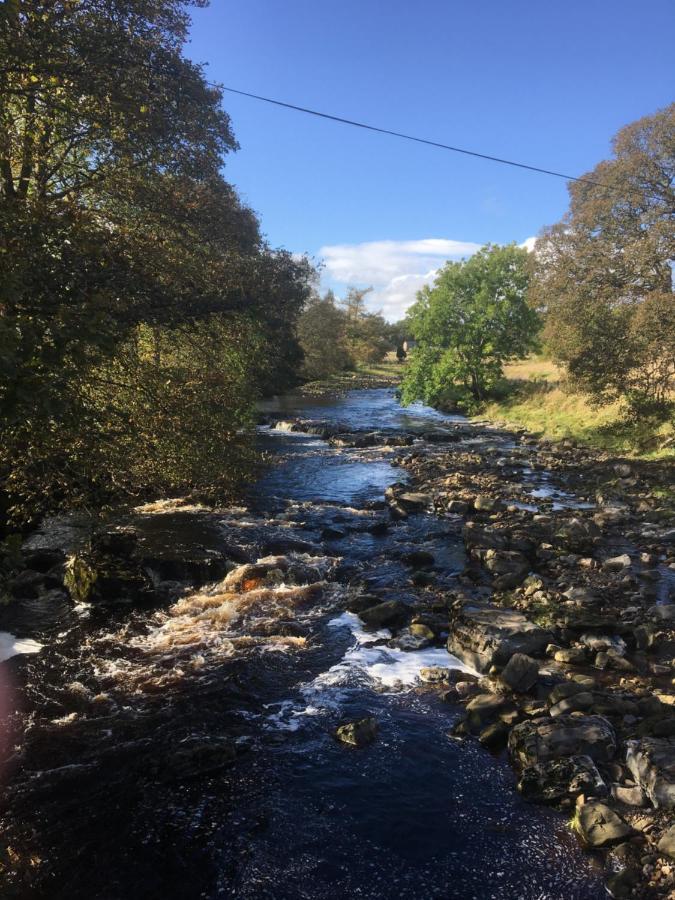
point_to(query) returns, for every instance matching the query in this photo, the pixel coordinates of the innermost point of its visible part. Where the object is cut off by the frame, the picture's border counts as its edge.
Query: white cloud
(396, 269)
(528, 243)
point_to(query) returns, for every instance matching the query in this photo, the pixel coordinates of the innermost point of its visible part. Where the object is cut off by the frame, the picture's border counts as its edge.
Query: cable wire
(417, 140)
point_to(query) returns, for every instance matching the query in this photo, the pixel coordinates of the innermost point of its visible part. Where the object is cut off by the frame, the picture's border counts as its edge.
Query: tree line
(141, 311)
(596, 293)
(339, 336)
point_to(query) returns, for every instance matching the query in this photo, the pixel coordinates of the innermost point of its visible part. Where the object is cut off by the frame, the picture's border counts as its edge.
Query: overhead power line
(417, 140)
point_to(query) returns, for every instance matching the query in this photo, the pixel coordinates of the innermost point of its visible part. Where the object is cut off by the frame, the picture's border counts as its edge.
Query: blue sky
(542, 83)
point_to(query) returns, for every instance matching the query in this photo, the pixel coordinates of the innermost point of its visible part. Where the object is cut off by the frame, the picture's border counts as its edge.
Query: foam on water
(366, 660)
(389, 665)
(13, 646)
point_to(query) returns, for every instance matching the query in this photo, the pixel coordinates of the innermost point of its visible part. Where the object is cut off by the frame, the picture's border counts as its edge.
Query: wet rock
(466, 689)
(651, 762)
(520, 673)
(666, 844)
(483, 636)
(421, 630)
(443, 675)
(630, 795)
(576, 703)
(413, 502)
(617, 563)
(620, 885)
(383, 615)
(409, 641)
(494, 736)
(266, 572)
(359, 733)
(570, 776)
(458, 507)
(484, 709)
(542, 739)
(600, 826)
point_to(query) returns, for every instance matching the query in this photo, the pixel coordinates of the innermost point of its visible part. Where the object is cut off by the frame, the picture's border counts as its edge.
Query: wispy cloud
(396, 269)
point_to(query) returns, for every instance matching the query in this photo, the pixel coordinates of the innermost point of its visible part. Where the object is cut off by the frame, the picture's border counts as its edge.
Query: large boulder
(483, 636)
(540, 740)
(359, 733)
(391, 612)
(600, 826)
(666, 844)
(520, 673)
(651, 762)
(551, 781)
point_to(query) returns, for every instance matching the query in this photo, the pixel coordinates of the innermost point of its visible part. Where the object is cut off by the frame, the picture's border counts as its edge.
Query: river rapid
(188, 749)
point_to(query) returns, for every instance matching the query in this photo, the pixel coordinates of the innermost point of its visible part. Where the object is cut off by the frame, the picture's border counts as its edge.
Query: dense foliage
(467, 324)
(604, 276)
(140, 310)
(338, 336)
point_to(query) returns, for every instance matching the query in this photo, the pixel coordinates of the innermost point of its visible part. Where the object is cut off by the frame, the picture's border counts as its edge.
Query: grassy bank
(537, 400)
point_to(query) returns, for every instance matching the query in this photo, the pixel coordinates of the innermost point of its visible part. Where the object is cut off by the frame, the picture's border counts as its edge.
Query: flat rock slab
(651, 762)
(484, 635)
(599, 825)
(543, 739)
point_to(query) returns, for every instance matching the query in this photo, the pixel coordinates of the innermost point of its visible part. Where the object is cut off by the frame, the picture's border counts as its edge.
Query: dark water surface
(107, 792)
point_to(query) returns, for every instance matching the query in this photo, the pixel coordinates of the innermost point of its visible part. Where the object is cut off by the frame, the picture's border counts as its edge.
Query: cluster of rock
(567, 613)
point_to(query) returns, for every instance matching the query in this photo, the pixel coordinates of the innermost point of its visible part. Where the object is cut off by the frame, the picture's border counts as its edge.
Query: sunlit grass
(539, 402)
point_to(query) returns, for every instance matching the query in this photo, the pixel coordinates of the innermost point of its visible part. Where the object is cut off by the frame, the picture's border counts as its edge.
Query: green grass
(537, 400)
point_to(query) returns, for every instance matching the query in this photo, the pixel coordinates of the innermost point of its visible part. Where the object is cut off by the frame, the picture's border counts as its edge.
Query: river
(188, 750)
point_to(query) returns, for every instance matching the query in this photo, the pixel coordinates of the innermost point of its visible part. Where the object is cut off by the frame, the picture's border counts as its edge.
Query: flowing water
(189, 751)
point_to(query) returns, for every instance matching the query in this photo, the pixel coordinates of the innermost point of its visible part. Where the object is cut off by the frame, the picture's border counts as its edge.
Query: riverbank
(535, 399)
(379, 375)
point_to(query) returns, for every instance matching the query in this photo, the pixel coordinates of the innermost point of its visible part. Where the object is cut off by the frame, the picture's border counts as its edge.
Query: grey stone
(566, 777)
(651, 762)
(359, 733)
(599, 825)
(520, 673)
(617, 563)
(391, 612)
(666, 843)
(631, 796)
(483, 636)
(542, 739)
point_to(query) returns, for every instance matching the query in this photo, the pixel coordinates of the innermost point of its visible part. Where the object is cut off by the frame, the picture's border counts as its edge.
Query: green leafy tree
(140, 309)
(467, 324)
(322, 335)
(603, 275)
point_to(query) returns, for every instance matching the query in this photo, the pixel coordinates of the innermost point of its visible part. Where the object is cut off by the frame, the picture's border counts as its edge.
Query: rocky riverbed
(427, 658)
